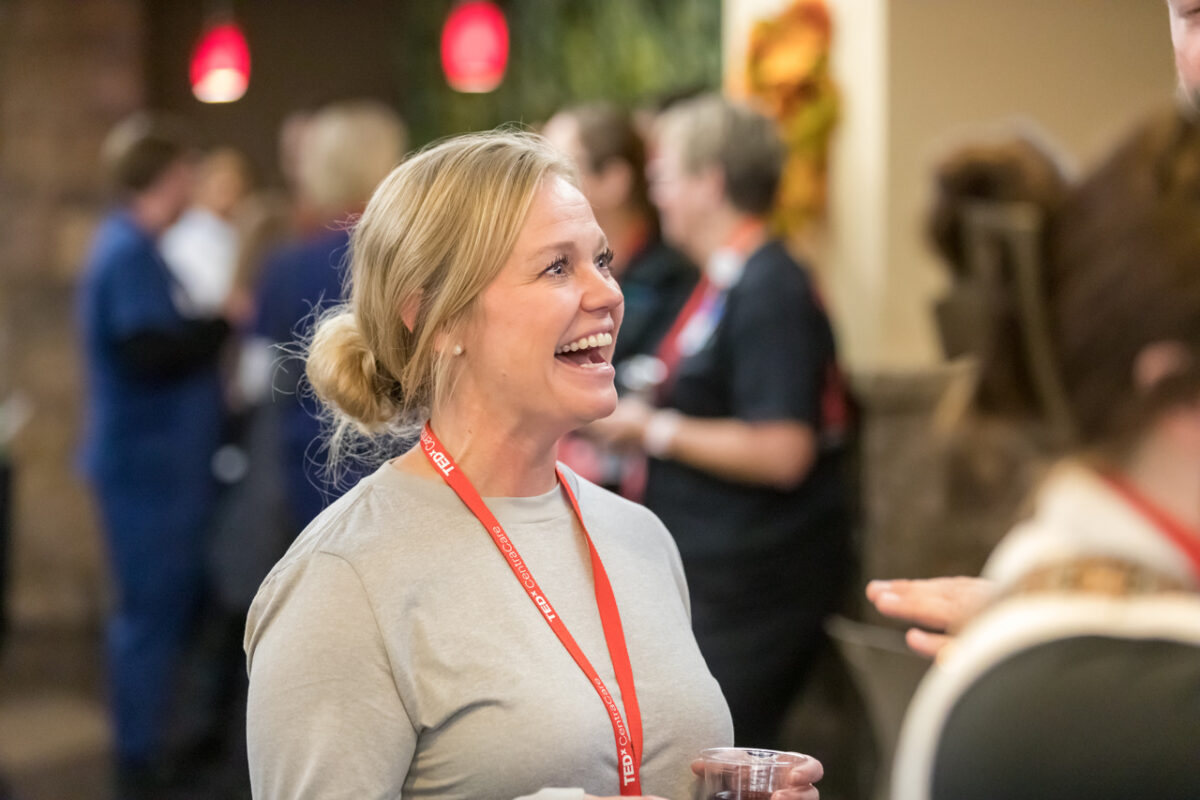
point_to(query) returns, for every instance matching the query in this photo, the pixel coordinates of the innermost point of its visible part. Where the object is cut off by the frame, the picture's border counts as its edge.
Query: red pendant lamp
(475, 46)
(220, 68)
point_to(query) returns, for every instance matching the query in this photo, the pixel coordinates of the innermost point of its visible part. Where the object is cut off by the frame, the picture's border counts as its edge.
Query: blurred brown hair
(1120, 272)
(981, 313)
(607, 132)
(139, 149)
(712, 131)
(1126, 275)
(1019, 169)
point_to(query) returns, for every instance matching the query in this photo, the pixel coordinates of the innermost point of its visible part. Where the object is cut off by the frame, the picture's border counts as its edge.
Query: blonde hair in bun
(435, 233)
(343, 371)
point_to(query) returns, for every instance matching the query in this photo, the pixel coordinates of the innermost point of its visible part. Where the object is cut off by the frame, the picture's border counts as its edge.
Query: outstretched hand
(940, 604)
(625, 427)
(800, 781)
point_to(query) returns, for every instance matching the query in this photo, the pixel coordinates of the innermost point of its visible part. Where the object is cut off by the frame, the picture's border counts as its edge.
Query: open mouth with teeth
(587, 351)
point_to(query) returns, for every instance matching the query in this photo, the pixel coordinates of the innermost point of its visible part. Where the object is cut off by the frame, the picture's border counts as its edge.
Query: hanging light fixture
(220, 68)
(475, 46)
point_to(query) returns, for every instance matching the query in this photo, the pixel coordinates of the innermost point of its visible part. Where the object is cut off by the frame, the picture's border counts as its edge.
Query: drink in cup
(744, 773)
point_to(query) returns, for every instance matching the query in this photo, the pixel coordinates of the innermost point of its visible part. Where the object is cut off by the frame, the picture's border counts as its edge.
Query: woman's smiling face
(538, 350)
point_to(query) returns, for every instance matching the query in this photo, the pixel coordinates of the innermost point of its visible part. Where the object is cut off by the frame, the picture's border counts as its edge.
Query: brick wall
(69, 69)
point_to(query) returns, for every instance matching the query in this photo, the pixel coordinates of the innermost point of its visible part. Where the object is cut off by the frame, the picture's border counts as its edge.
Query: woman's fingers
(939, 603)
(806, 772)
(926, 643)
(800, 779)
(797, 793)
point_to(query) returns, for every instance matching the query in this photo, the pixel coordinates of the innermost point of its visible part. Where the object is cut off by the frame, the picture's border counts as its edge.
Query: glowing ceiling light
(220, 68)
(475, 46)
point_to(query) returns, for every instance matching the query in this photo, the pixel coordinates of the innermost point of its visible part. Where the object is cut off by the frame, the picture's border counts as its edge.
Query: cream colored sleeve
(324, 719)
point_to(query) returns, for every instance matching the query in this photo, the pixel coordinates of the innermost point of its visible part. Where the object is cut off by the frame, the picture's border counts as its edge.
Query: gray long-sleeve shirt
(393, 653)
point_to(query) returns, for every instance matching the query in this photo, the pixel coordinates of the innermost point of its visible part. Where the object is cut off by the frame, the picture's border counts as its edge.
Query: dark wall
(303, 53)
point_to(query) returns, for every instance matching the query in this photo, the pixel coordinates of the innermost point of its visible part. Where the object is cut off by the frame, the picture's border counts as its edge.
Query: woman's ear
(409, 310)
(1157, 362)
(712, 183)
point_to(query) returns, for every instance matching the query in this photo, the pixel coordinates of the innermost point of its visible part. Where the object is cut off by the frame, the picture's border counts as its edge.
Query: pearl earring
(458, 350)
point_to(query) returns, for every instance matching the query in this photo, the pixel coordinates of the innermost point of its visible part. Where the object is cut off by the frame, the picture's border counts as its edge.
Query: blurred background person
(746, 444)
(154, 421)
(202, 248)
(253, 523)
(941, 604)
(345, 150)
(655, 278)
(1090, 645)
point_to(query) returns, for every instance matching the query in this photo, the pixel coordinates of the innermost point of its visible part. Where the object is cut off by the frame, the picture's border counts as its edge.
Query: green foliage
(561, 52)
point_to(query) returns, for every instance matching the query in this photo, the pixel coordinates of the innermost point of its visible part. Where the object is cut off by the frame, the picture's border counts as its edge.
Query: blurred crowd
(200, 444)
(1077, 297)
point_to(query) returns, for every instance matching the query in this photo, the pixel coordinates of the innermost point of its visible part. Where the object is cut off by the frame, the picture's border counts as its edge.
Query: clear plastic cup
(746, 773)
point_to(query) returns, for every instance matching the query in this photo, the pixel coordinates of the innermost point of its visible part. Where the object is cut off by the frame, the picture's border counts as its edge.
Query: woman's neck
(500, 460)
(152, 213)
(1169, 477)
(726, 225)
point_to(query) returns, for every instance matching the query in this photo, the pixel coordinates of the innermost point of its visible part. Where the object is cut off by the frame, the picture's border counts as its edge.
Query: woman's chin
(597, 410)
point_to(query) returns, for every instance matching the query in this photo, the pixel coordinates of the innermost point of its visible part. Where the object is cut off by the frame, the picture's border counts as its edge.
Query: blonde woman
(418, 640)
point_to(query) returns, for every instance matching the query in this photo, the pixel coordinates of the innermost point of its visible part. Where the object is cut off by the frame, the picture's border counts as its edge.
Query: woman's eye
(604, 260)
(557, 267)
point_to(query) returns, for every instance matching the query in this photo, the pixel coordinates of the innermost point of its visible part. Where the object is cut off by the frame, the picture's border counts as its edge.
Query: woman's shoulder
(594, 498)
(1077, 516)
(774, 273)
(388, 515)
(618, 516)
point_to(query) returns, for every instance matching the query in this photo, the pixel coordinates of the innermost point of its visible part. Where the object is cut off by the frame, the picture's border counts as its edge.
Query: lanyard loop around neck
(702, 312)
(628, 738)
(1185, 539)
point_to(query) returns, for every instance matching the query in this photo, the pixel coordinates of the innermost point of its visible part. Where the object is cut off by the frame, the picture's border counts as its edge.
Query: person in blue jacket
(347, 148)
(154, 417)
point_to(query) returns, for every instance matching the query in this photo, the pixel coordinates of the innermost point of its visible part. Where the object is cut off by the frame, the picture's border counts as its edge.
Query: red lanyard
(1184, 538)
(629, 742)
(703, 299)
(669, 352)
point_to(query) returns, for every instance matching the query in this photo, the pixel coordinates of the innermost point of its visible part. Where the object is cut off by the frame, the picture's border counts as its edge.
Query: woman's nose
(601, 291)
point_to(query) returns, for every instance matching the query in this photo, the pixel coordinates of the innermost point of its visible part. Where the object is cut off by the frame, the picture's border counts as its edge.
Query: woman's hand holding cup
(738, 773)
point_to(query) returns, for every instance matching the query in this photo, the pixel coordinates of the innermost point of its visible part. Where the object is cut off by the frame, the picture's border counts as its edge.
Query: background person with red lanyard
(1080, 678)
(419, 640)
(745, 449)
(941, 604)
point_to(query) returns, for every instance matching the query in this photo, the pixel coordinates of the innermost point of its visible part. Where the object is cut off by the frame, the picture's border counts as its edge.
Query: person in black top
(745, 446)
